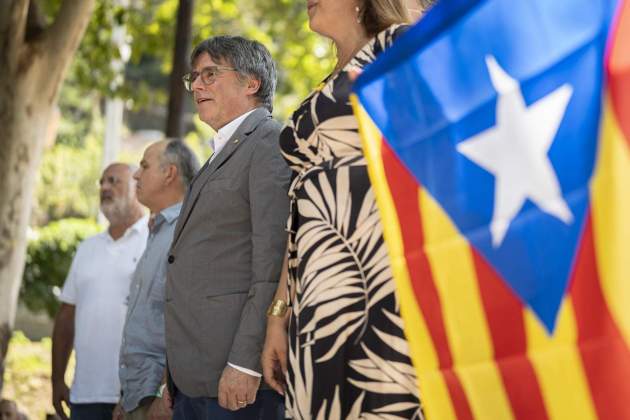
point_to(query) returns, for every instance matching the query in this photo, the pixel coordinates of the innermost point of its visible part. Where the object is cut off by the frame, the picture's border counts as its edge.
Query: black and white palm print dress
(348, 357)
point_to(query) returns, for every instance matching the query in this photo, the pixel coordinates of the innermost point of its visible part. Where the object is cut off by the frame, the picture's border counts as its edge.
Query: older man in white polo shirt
(93, 307)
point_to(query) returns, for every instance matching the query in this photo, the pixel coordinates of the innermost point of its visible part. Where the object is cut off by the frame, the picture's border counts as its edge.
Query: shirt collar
(167, 215)
(227, 131)
(171, 213)
(140, 226)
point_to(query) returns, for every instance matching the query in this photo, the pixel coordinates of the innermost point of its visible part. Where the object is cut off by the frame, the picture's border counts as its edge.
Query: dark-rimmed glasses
(208, 75)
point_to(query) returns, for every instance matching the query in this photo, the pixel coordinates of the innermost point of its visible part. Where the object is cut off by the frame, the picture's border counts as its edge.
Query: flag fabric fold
(497, 134)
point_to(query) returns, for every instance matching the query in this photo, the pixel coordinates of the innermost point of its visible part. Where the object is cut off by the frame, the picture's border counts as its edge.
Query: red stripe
(605, 356)
(619, 69)
(404, 190)
(504, 313)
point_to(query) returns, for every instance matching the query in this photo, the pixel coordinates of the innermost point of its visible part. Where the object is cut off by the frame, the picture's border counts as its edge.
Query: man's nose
(197, 84)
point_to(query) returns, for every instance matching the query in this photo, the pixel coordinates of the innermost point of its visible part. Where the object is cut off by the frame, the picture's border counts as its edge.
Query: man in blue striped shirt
(166, 170)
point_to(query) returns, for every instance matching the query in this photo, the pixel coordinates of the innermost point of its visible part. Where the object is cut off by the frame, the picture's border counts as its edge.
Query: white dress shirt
(217, 144)
(220, 139)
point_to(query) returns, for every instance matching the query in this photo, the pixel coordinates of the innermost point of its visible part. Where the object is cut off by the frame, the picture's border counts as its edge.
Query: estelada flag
(498, 139)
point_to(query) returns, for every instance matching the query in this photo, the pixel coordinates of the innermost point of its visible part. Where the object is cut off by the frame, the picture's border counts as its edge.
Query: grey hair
(177, 153)
(248, 57)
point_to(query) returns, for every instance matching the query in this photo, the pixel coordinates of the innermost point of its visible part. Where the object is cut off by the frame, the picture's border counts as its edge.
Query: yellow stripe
(433, 391)
(454, 274)
(558, 366)
(610, 202)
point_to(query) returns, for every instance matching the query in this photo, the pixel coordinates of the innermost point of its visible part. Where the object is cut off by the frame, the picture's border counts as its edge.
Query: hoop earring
(358, 10)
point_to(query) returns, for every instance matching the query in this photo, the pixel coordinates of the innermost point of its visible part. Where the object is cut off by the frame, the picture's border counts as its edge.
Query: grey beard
(118, 211)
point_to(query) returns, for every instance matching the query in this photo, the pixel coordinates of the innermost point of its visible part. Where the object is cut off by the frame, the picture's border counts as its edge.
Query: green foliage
(49, 255)
(303, 57)
(29, 362)
(67, 180)
(93, 66)
(79, 112)
(27, 375)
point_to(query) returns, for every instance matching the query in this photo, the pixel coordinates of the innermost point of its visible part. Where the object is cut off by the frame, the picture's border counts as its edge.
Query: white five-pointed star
(515, 152)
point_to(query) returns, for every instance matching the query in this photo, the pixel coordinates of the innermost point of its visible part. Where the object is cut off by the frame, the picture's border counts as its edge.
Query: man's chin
(208, 119)
(140, 196)
(110, 211)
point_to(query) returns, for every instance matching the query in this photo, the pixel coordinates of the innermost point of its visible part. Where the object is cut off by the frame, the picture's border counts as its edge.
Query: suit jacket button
(171, 259)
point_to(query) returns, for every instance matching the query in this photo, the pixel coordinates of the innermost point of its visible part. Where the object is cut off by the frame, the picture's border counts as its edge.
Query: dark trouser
(91, 411)
(269, 405)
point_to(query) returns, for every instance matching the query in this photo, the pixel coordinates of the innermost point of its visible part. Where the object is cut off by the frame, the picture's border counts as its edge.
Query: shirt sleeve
(69, 290)
(244, 370)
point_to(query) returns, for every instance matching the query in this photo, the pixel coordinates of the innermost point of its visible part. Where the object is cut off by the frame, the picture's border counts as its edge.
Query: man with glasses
(229, 242)
(93, 306)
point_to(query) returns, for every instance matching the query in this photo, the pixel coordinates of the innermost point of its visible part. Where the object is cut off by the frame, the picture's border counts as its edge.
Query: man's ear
(171, 174)
(253, 85)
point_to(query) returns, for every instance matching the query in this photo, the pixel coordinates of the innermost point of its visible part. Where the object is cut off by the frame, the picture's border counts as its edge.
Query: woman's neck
(348, 45)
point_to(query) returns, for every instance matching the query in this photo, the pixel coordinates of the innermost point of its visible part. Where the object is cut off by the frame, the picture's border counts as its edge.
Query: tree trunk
(174, 123)
(33, 62)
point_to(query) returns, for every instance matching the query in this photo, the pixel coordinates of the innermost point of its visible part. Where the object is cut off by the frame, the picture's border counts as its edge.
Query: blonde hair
(378, 15)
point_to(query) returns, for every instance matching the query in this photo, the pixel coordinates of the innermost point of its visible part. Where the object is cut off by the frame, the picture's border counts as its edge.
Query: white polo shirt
(98, 286)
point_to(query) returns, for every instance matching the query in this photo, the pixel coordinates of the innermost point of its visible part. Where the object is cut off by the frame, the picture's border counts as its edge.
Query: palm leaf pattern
(348, 357)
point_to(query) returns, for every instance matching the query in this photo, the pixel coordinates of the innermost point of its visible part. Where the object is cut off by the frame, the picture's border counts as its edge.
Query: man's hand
(274, 355)
(118, 413)
(159, 410)
(237, 389)
(60, 393)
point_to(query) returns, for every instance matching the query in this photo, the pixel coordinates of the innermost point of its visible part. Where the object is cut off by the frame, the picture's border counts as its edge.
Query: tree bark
(33, 63)
(174, 123)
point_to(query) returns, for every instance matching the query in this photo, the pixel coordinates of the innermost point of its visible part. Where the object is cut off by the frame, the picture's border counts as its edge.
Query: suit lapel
(207, 172)
(187, 204)
(239, 137)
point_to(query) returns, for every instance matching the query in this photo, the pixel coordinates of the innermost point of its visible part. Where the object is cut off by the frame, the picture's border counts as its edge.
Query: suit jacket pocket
(219, 191)
(224, 293)
(220, 318)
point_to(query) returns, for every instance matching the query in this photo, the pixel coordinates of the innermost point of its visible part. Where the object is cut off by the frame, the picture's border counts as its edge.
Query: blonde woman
(335, 344)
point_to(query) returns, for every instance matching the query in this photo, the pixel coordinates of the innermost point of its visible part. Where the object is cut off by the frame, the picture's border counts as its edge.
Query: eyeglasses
(208, 75)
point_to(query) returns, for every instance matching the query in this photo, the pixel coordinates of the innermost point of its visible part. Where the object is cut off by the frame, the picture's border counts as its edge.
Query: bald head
(118, 194)
(166, 169)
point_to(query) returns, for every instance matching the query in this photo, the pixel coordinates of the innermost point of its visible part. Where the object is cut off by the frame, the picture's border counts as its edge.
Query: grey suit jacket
(226, 257)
